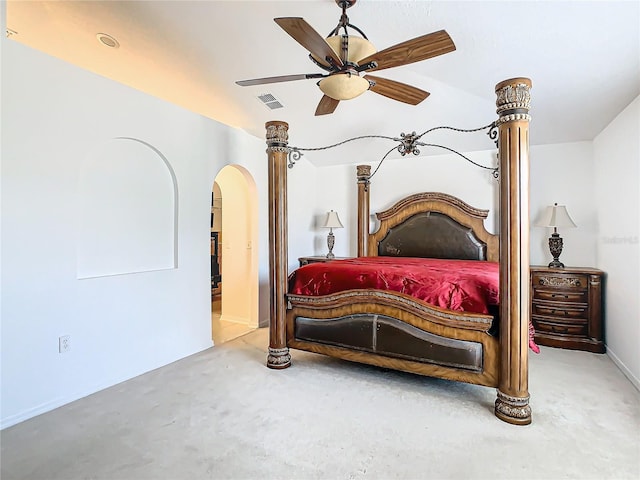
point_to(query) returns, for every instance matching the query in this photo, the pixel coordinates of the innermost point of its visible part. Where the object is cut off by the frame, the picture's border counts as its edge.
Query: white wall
(617, 176)
(563, 174)
(397, 178)
(560, 173)
(304, 186)
(53, 115)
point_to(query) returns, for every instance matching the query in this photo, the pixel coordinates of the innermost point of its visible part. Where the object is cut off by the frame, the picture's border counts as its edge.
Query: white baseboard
(238, 320)
(623, 368)
(35, 411)
(61, 401)
(53, 404)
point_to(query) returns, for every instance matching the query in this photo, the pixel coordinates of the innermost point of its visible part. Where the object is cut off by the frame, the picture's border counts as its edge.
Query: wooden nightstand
(317, 259)
(566, 307)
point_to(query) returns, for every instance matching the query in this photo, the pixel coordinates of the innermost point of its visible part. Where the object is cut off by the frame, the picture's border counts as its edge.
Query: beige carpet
(222, 414)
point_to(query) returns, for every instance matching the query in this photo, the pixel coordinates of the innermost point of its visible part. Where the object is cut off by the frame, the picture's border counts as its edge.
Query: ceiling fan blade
(283, 78)
(327, 105)
(414, 50)
(305, 35)
(396, 90)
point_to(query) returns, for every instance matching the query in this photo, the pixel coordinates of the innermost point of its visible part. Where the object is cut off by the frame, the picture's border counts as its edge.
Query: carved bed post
(277, 150)
(363, 173)
(513, 100)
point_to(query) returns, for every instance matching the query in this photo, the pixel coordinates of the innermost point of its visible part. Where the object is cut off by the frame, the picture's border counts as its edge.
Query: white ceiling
(582, 56)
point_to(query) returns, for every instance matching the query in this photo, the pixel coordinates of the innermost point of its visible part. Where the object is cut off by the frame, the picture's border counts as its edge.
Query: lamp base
(555, 247)
(331, 239)
(556, 264)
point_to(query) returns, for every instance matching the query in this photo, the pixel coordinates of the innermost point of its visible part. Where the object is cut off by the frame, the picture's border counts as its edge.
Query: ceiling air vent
(270, 101)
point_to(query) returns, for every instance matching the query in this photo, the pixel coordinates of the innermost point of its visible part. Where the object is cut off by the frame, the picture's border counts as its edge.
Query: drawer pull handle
(554, 295)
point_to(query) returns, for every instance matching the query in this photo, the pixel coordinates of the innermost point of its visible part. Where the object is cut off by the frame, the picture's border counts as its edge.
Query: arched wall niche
(128, 210)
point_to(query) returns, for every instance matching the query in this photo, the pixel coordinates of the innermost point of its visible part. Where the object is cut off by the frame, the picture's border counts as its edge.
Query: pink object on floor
(532, 343)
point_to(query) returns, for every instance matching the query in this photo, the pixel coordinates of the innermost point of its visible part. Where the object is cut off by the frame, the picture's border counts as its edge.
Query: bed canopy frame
(511, 351)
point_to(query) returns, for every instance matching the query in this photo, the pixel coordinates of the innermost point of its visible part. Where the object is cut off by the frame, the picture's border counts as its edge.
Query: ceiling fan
(345, 57)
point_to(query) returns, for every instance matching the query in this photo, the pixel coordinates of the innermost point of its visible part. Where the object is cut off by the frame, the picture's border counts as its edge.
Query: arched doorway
(234, 229)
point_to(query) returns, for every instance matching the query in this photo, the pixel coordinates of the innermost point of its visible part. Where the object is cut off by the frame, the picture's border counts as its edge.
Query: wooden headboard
(429, 225)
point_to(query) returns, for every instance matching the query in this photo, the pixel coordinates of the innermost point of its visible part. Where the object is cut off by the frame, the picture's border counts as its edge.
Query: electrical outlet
(64, 343)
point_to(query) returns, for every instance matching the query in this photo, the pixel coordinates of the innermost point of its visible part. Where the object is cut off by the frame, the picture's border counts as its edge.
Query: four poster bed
(449, 327)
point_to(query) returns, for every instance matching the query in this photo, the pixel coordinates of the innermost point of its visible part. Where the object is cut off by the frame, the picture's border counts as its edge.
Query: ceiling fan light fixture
(343, 86)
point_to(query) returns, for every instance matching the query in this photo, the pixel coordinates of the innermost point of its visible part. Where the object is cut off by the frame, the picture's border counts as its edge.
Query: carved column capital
(277, 136)
(513, 100)
(363, 172)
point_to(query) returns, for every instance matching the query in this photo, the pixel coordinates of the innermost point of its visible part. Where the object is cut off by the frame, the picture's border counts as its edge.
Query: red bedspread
(462, 285)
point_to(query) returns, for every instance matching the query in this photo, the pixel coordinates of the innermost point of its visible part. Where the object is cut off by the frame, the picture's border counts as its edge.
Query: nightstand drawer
(548, 326)
(563, 310)
(577, 296)
(565, 280)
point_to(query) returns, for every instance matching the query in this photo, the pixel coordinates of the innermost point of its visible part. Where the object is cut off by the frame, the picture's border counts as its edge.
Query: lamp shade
(556, 216)
(332, 221)
(343, 86)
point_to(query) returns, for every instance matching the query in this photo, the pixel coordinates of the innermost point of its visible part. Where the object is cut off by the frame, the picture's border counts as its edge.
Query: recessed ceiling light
(107, 40)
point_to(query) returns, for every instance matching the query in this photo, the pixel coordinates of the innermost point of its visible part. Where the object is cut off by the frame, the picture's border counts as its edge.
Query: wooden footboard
(394, 330)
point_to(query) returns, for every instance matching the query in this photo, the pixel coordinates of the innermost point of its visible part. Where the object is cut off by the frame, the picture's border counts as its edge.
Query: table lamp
(556, 216)
(331, 222)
